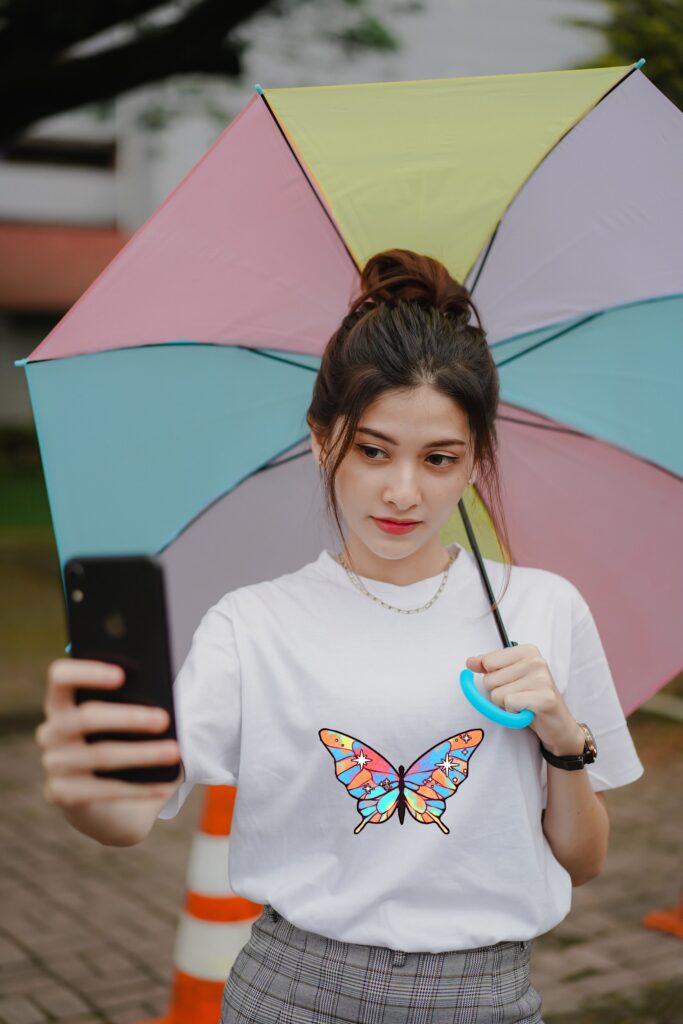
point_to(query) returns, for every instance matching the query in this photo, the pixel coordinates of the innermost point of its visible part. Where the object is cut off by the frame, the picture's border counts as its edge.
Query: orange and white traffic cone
(215, 923)
(667, 919)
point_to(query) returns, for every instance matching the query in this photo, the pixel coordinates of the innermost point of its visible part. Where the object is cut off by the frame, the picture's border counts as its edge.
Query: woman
(385, 899)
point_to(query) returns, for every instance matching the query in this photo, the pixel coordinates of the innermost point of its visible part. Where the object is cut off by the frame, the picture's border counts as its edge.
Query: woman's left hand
(519, 677)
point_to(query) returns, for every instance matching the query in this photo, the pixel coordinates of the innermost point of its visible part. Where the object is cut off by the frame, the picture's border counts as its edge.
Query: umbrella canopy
(170, 400)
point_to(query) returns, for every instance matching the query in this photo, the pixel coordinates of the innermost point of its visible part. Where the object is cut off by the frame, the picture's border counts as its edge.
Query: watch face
(590, 740)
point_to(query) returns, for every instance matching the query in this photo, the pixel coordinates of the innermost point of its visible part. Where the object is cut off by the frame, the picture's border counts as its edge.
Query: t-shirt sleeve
(207, 701)
(591, 696)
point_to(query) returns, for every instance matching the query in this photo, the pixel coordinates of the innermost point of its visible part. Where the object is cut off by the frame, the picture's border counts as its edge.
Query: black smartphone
(117, 612)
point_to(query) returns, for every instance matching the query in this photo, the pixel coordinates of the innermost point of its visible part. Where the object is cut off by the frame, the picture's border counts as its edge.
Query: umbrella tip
(259, 89)
(639, 63)
(20, 362)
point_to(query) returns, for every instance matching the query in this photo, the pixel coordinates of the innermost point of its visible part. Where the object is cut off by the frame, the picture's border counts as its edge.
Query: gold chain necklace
(402, 611)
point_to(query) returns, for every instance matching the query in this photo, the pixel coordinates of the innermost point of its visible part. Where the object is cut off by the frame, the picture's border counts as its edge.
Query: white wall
(42, 194)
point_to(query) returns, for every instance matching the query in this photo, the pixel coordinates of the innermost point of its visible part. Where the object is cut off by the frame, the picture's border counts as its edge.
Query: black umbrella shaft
(484, 576)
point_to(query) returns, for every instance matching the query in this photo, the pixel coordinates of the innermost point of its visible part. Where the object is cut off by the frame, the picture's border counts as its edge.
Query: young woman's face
(404, 474)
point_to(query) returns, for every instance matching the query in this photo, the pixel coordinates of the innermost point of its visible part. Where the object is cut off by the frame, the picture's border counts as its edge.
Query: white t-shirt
(293, 680)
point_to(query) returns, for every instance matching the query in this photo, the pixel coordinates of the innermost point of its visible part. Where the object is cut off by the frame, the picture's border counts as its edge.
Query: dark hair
(409, 326)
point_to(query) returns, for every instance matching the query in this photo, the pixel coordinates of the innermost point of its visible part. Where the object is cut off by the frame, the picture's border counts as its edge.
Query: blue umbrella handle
(511, 719)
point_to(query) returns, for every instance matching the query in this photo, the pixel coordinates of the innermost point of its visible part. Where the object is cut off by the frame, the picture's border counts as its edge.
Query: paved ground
(87, 932)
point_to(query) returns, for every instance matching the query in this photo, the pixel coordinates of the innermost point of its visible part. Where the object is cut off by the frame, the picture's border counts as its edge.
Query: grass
(24, 503)
(32, 622)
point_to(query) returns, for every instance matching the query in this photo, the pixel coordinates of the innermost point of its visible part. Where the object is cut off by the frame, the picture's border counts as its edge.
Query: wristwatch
(573, 762)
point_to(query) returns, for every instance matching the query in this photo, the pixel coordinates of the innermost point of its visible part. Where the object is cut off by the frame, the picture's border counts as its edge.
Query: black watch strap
(572, 762)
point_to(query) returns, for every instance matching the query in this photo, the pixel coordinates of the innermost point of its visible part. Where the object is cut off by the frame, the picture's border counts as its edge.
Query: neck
(401, 572)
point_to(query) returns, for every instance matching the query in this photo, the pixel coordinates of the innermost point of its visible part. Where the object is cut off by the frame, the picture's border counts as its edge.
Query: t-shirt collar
(404, 596)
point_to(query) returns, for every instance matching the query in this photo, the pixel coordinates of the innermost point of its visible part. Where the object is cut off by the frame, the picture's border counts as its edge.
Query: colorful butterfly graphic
(380, 789)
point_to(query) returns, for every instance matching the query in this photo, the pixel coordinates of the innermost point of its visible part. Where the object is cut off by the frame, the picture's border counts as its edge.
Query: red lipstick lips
(394, 526)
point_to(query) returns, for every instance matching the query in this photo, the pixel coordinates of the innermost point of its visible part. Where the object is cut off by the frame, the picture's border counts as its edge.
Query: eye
(368, 447)
(451, 459)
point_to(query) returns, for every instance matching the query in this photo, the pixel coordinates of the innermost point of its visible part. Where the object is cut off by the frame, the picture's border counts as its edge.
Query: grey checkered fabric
(285, 975)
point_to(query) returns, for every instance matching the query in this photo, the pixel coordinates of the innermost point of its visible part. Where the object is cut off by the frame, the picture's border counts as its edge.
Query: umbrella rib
(219, 497)
(545, 426)
(546, 341)
(488, 250)
(535, 169)
(599, 440)
(313, 369)
(278, 359)
(273, 464)
(310, 183)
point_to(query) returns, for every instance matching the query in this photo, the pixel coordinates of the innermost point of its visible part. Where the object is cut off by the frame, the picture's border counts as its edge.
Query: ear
(316, 447)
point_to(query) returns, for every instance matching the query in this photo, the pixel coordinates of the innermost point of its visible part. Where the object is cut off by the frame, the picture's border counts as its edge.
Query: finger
(491, 661)
(524, 684)
(511, 698)
(70, 790)
(541, 701)
(508, 676)
(502, 698)
(522, 701)
(80, 758)
(100, 716)
(501, 657)
(65, 674)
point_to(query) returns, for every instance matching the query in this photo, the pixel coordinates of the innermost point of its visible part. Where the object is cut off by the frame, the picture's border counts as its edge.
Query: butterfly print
(380, 789)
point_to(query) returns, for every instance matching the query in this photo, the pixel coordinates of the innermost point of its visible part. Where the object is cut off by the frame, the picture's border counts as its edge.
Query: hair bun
(399, 275)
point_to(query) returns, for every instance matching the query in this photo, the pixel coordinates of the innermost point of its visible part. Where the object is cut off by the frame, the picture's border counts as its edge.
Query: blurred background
(106, 107)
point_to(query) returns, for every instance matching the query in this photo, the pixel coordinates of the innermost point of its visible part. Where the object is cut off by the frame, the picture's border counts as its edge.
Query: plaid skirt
(284, 975)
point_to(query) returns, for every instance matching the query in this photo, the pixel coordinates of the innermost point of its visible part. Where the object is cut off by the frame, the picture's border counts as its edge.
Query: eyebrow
(432, 444)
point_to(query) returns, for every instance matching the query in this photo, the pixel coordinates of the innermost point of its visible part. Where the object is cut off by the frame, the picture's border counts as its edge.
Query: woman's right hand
(69, 760)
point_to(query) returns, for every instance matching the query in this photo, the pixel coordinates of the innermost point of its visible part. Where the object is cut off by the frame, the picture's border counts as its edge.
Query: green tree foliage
(371, 33)
(642, 28)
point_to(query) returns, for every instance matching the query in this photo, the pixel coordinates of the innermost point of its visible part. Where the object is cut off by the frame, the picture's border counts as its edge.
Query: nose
(401, 488)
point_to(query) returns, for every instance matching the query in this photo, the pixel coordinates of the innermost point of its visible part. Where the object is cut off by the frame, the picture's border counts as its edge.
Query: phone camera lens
(75, 573)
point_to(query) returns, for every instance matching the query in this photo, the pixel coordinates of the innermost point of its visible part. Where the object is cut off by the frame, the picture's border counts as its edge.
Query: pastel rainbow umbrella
(170, 400)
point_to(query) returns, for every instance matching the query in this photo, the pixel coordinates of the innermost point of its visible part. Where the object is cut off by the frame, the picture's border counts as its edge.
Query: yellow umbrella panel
(431, 165)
